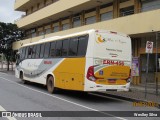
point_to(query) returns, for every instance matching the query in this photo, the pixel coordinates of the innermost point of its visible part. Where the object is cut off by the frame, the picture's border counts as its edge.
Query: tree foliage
(9, 33)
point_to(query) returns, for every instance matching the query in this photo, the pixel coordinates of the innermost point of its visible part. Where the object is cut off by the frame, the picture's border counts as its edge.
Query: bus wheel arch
(50, 84)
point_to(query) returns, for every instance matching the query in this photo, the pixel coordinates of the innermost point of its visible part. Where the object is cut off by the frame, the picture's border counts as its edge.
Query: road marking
(89, 108)
(109, 97)
(9, 118)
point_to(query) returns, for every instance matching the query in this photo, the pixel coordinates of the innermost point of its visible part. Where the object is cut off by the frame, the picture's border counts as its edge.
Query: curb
(7, 72)
(3, 71)
(126, 98)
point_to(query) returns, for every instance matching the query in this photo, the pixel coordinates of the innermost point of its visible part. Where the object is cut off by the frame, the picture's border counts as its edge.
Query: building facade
(138, 18)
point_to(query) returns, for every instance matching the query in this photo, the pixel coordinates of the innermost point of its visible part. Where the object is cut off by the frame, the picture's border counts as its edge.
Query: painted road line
(103, 96)
(83, 106)
(9, 116)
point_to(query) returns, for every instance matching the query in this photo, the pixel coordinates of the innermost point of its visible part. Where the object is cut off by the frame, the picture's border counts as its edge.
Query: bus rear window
(82, 46)
(78, 46)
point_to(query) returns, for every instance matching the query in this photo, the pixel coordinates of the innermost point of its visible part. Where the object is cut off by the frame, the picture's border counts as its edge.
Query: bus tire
(21, 77)
(50, 85)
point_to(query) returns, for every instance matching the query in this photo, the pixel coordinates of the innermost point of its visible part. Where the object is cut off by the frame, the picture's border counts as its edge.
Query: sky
(7, 13)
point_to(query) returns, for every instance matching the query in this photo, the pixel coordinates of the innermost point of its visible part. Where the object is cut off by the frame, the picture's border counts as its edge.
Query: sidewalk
(10, 72)
(136, 93)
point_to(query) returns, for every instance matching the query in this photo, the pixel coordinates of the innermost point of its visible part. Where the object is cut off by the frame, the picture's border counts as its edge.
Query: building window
(127, 11)
(90, 20)
(148, 5)
(48, 2)
(56, 29)
(27, 12)
(33, 35)
(47, 31)
(41, 5)
(106, 16)
(76, 21)
(65, 26)
(34, 8)
(40, 33)
(28, 34)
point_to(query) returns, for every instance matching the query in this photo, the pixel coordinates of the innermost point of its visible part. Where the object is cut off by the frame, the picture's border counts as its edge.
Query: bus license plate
(111, 81)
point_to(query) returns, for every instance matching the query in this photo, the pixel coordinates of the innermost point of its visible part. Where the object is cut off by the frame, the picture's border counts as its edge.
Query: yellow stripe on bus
(70, 74)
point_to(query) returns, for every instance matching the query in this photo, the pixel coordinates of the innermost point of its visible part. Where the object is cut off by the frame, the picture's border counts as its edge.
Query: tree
(9, 33)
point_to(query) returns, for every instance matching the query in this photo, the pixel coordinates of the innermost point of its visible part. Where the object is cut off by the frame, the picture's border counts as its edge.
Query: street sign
(149, 47)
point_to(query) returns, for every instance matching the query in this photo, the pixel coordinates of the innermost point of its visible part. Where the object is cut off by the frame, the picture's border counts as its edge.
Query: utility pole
(149, 50)
(156, 78)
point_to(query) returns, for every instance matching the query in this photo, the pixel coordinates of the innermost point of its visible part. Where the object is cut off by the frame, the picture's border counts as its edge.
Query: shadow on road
(76, 95)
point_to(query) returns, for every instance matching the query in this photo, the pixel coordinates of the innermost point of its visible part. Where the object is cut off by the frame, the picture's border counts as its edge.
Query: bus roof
(54, 38)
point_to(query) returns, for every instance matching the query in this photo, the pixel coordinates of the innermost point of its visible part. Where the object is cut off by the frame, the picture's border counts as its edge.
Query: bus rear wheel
(50, 85)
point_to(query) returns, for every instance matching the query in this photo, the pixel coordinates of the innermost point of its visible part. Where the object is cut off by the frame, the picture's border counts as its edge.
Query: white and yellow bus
(93, 60)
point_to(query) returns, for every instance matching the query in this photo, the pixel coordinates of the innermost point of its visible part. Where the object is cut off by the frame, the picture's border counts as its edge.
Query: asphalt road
(16, 96)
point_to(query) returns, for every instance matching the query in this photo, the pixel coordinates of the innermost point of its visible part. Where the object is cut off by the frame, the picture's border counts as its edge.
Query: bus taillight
(90, 74)
(129, 78)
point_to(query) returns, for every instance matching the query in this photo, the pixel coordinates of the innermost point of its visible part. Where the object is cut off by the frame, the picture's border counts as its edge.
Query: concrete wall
(19, 3)
(53, 9)
(133, 24)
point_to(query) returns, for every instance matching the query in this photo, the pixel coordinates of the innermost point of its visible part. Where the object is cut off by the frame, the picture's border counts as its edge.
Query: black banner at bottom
(31, 114)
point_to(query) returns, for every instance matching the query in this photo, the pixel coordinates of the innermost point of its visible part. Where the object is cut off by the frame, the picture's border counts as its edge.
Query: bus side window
(20, 53)
(82, 46)
(73, 46)
(47, 49)
(65, 47)
(34, 51)
(58, 48)
(42, 50)
(37, 52)
(23, 52)
(26, 56)
(52, 49)
(30, 51)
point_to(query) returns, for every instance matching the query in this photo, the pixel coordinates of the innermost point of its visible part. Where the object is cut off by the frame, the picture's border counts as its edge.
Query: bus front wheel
(21, 77)
(50, 85)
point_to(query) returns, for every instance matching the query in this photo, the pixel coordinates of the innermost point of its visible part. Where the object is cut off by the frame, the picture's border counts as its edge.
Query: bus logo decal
(100, 39)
